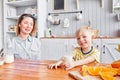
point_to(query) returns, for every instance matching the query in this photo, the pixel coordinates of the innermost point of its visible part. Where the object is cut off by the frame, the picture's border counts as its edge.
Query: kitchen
(57, 26)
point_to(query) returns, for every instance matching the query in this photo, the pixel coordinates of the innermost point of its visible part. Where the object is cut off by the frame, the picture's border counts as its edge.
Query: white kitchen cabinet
(1, 10)
(109, 50)
(116, 6)
(56, 48)
(53, 48)
(1, 26)
(1, 36)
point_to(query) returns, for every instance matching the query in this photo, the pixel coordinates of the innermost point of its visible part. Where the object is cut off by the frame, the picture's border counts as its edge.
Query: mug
(9, 58)
(78, 16)
(68, 59)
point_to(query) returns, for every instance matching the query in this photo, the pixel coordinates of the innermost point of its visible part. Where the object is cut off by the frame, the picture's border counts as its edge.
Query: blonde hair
(93, 32)
(34, 30)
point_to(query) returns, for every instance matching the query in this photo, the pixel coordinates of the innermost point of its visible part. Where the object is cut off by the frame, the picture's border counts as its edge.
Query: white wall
(1, 27)
(101, 18)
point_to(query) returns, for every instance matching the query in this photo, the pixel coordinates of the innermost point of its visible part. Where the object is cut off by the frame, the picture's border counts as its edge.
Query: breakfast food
(98, 72)
(116, 64)
(107, 75)
(104, 72)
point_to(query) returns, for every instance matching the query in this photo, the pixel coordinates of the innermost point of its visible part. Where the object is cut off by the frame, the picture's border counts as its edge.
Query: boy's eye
(84, 36)
(78, 38)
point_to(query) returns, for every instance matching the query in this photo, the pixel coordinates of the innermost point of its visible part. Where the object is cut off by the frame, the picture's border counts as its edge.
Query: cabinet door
(97, 44)
(1, 36)
(109, 50)
(53, 49)
(71, 44)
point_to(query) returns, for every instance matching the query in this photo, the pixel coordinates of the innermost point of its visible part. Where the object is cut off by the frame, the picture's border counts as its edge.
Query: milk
(9, 58)
(68, 59)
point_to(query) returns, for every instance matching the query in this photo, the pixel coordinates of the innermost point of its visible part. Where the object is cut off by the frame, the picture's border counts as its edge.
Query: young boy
(84, 54)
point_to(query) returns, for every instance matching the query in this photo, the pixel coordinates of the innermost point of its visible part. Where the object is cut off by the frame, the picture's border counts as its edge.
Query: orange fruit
(116, 64)
(84, 70)
(118, 71)
(94, 71)
(107, 75)
(105, 72)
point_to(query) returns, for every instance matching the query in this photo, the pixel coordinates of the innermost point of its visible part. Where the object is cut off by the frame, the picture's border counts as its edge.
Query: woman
(25, 46)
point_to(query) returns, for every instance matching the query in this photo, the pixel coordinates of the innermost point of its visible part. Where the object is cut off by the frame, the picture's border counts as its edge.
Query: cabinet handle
(103, 49)
(97, 46)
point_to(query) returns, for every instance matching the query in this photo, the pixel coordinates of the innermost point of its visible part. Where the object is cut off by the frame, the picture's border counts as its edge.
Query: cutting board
(77, 76)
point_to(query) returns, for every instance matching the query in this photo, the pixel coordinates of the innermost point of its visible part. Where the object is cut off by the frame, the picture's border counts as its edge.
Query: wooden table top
(33, 70)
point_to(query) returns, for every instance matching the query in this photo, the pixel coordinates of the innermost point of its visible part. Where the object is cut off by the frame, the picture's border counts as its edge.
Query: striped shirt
(78, 54)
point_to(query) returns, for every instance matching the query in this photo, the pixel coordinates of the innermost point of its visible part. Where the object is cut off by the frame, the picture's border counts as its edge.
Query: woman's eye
(31, 24)
(25, 23)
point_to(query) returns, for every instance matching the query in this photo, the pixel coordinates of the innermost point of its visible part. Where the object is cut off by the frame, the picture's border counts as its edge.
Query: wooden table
(33, 70)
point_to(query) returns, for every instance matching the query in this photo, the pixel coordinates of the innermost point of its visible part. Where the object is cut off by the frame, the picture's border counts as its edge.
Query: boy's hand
(69, 65)
(55, 65)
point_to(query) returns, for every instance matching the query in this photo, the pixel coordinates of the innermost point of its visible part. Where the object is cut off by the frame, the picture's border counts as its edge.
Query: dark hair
(20, 20)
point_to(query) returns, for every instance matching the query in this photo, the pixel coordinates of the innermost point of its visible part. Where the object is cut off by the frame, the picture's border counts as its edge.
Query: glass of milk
(68, 58)
(9, 58)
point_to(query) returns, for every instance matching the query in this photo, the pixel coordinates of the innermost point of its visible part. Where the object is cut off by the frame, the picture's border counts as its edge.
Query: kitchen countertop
(101, 37)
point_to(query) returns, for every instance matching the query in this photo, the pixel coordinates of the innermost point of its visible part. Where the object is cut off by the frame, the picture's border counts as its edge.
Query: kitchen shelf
(116, 6)
(13, 17)
(22, 3)
(10, 31)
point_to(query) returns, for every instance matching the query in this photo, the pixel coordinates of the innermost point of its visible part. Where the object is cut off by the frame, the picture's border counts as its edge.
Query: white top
(24, 49)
